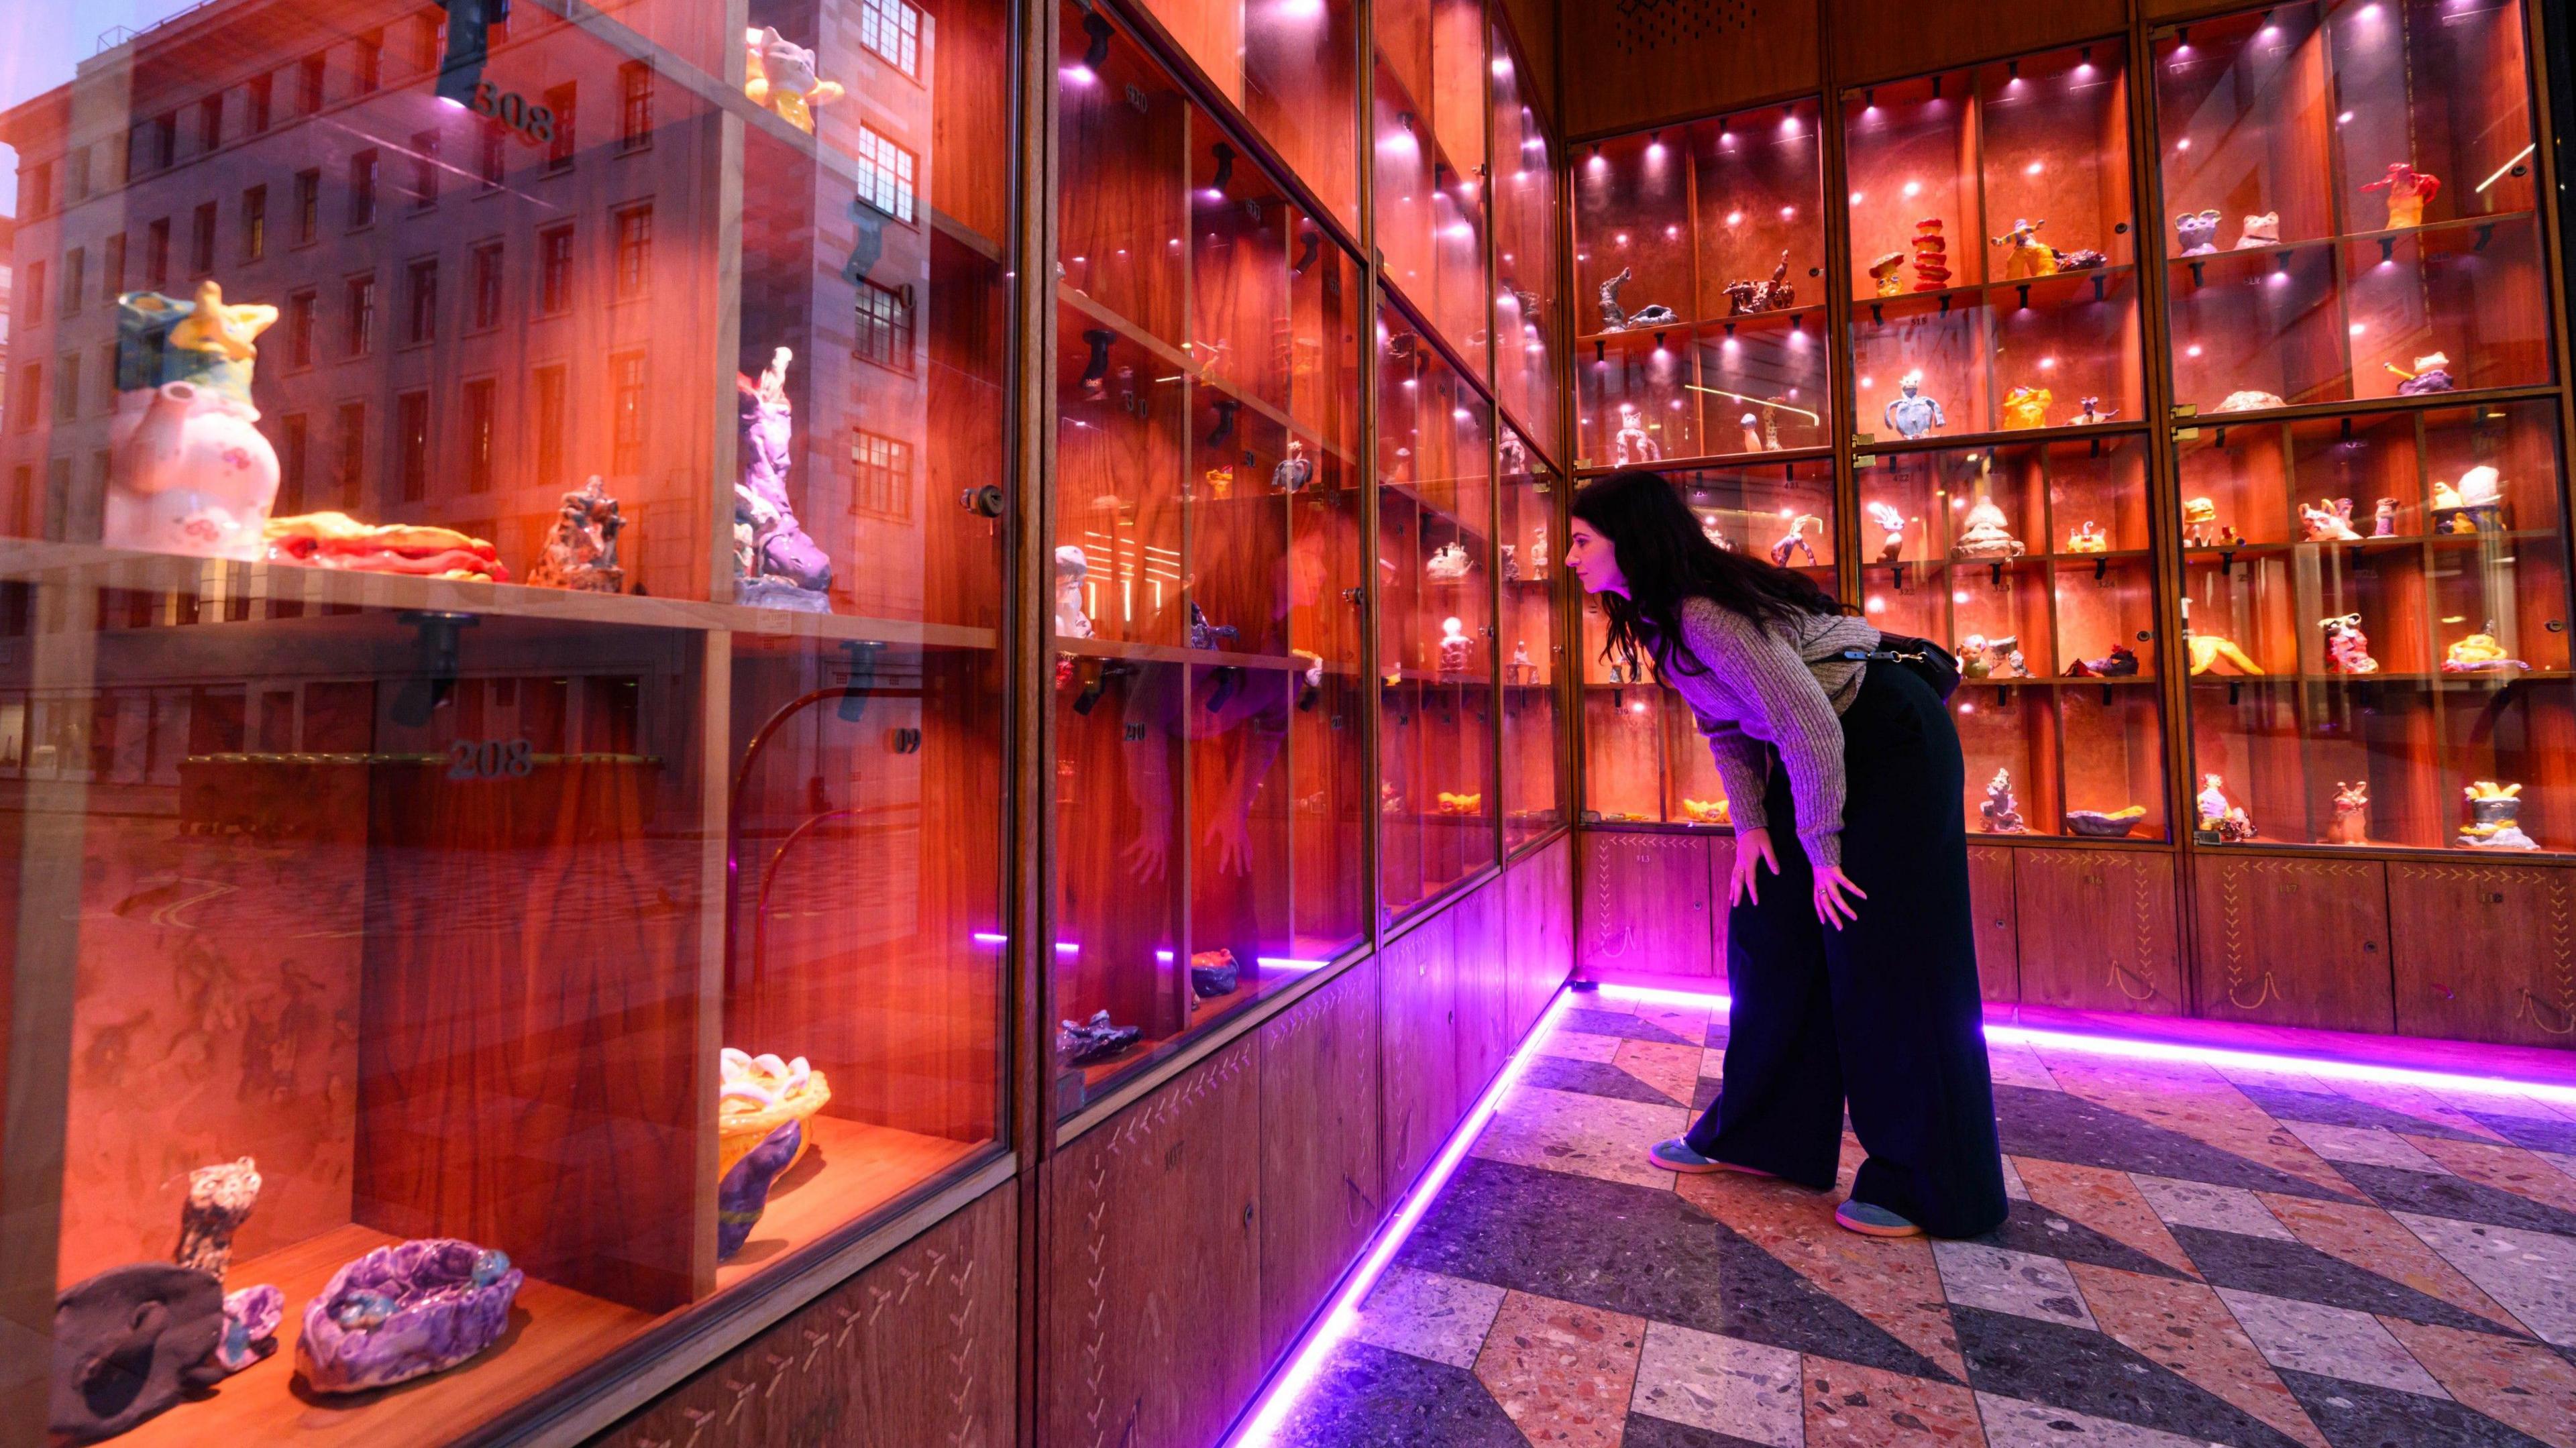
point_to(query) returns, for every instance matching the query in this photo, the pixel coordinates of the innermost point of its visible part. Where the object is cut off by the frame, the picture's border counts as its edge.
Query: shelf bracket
(2003, 695)
(1945, 306)
(1877, 315)
(1995, 577)
(2486, 234)
(2387, 250)
(2235, 692)
(2097, 447)
(2106, 696)
(1900, 578)
(2024, 289)
(2226, 564)
(2101, 569)
(862, 654)
(2199, 274)
(1600, 350)
(2101, 287)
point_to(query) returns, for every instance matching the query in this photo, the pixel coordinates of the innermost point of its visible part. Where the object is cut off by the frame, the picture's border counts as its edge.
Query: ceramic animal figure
(2408, 189)
(2209, 650)
(2383, 520)
(2028, 258)
(1891, 525)
(1999, 815)
(2250, 400)
(1795, 540)
(2027, 407)
(581, 553)
(2330, 521)
(2120, 663)
(1885, 272)
(2431, 373)
(2218, 818)
(2081, 259)
(1080, 1043)
(1615, 320)
(779, 76)
(1931, 256)
(1910, 413)
(779, 565)
(2092, 414)
(2351, 824)
(1632, 444)
(188, 469)
(1072, 567)
(1986, 533)
(1743, 297)
(2260, 230)
(2199, 232)
(219, 1201)
(2347, 647)
(2088, 539)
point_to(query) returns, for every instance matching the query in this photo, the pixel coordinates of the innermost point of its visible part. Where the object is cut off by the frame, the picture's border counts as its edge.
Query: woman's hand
(1831, 886)
(1741, 882)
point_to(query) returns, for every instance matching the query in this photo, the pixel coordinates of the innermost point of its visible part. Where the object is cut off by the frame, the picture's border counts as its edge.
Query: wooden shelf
(850, 1169)
(1777, 319)
(2437, 230)
(1180, 362)
(1202, 658)
(2055, 289)
(2005, 437)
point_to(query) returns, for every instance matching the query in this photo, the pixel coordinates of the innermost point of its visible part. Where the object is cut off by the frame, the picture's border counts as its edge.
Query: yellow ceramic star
(215, 327)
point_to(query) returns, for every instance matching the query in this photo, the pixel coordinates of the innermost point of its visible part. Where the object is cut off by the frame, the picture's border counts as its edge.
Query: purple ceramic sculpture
(744, 1193)
(127, 1343)
(251, 1317)
(779, 565)
(403, 1311)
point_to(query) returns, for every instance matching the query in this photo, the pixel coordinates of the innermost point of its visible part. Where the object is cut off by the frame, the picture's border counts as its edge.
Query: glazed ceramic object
(779, 75)
(219, 1201)
(127, 1343)
(759, 1095)
(405, 1311)
(188, 468)
(778, 564)
(581, 553)
(2099, 825)
(1082, 1042)
(743, 1193)
(251, 1318)
(1214, 973)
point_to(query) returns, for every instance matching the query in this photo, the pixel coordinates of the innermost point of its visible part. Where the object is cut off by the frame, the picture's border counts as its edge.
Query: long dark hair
(1666, 559)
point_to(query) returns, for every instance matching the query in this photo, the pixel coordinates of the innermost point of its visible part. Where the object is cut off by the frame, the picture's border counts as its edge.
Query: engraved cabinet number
(491, 759)
(535, 124)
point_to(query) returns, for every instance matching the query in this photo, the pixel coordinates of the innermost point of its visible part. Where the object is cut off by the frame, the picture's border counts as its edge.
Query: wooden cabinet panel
(1721, 864)
(1418, 1048)
(2294, 942)
(1484, 1005)
(1990, 895)
(1646, 905)
(1633, 65)
(1153, 1263)
(1322, 1167)
(2484, 952)
(918, 1351)
(2097, 930)
(1880, 39)
(1538, 930)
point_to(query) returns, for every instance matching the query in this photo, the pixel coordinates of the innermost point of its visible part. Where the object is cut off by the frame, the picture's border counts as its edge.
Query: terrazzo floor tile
(2369, 1240)
(2446, 1195)
(2005, 1281)
(2374, 1145)
(2362, 1415)
(2416, 1102)
(2336, 1108)
(2310, 1337)
(2186, 1329)
(1580, 1046)
(2014, 1189)
(2029, 1227)
(2216, 1115)
(2209, 1206)
(1721, 1384)
(2019, 1066)
(1593, 1078)
(1672, 1070)
(2095, 1373)
(1862, 1407)
(2013, 1423)
(2505, 1168)
(1647, 1431)
(2524, 1123)
(1429, 1315)
(1594, 1021)
(1562, 1371)
(2106, 1201)
(2519, 1383)
(2298, 1271)
(1570, 1131)
(1369, 1397)
(2062, 1126)
(2532, 1274)
(1686, 1023)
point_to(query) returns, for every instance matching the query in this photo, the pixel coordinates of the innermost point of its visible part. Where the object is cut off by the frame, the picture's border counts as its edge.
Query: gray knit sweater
(1765, 689)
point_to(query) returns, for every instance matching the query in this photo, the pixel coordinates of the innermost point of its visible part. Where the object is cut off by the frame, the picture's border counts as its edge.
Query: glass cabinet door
(1533, 727)
(1289, 70)
(1207, 557)
(1529, 364)
(1431, 202)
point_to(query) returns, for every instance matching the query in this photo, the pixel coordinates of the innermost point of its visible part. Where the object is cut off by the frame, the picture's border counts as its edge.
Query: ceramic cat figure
(2262, 230)
(780, 75)
(188, 469)
(1891, 526)
(2199, 232)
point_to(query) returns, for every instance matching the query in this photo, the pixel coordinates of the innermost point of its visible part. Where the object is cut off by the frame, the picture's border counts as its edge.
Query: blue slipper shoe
(1675, 1154)
(1873, 1221)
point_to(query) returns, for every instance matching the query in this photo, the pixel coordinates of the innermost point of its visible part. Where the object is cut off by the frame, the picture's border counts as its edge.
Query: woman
(1854, 969)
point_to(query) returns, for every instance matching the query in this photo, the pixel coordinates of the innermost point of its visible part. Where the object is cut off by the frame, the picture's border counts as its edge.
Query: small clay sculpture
(219, 1201)
(2120, 663)
(2495, 812)
(1072, 567)
(2221, 822)
(2091, 414)
(743, 1192)
(1204, 635)
(1633, 444)
(2088, 539)
(1745, 297)
(2081, 259)
(1615, 320)
(2027, 407)
(2209, 650)
(2475, 505)
(2330, 521)
(2431, 373)
(2383, 519)
(1999, 657)
(1910, 413)
(2408, 189)
(779, 76)
(581, 553)
(1795, 540)
(1931, 256)
(2479, 653)
(2201, 528)
(1455, 649)
(2249, 400)
(1986, 533)
(1891, 526)
(2199, 232)
(2028, 257)
(2098, 824)
(2347, 647)
(2351, 824)
(776, 564)
(1520, 670)
(1081, 1043)
(1448, 563)
(1214, 973)
(251, 1318)
(1293, 471)
(2260, 230)
(405, 1311)
(1887, 273)
(1999, 815)
(128, 1342)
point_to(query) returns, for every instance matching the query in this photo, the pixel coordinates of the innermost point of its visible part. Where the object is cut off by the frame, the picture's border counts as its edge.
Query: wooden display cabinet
(1287, 70)
(2372, 739)
(2035, 551)
(2296, 272)
(1533, 695)
(1431, 203)
(2005, 328)
(1645, 761)
(1720, 221)
(1207, 555)
(1529, 267)
(1437, 564)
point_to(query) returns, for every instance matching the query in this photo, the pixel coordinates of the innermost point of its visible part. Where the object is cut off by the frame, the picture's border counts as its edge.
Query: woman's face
(1593, 562)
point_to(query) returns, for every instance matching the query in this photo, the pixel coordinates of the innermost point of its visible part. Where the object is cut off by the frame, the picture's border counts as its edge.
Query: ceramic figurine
(758, 1094)
(2098, 824)
(1220, 483)
(743, 1192)
(2431, 373)
(1510, 556)
(779, 77)
(1520, 670)
(2383, 519)
(2494, 814)
(1448, 563)
(1891, 526)
(420, 550)
(1704, 811)
(2351, 825)
(1538, 550)
(1931, 256)
(2027, 407)
(1081, 1043)
(775, 563)
(2250, 400)
(2120, 663)
(2199, 232)
(188, 469)
(1615, 320)
(2220, 821)
(1460, 804)
(1214, 973)
(2347, 647)
(1072, 567)
(2088, 539)
(581, 553)
(2474, 505)
(1999, 657)
(1986, 533)
(1633, 444)
(1204, 635)
(1999, 815)
(2028, 258)
(2479, 653)
(2408, 189)
(1910, 413)
(1511, 459)
(1293, 471)
(219, 1201)
(403, 1312)
(1887, 273)
(1454, 649)
(1744, 297)
(130, 1342)
(2081, 259)
(2209, 650)
(2091, 414)
(2330, 521)
(1752, 432)
(1708, 529)
(1795, 540)
(2260, 230)
(251, 1320)
(2201, 528)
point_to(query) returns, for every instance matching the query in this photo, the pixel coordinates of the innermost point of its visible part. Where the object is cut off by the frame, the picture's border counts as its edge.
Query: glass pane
(1429, 141)
(1288, 69)
(1529, 370)
(1533, 796)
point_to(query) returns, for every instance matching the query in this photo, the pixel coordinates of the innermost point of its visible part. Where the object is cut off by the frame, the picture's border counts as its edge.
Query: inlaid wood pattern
(1646, 904)
(1990, 895)
(2098, 930)
(1322, 1177)
(2484, 952)
(2294, 942)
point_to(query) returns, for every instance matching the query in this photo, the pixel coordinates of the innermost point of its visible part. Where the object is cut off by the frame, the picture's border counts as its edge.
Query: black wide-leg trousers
(1883, 1013)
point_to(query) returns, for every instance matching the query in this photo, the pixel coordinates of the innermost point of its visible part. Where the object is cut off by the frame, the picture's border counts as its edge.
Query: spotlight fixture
(1097, 54)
